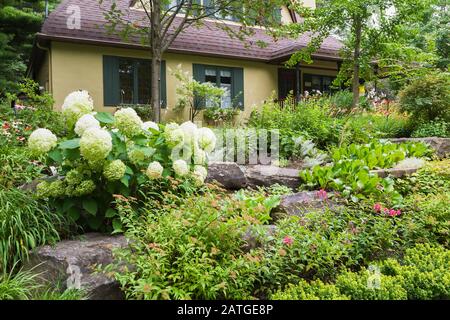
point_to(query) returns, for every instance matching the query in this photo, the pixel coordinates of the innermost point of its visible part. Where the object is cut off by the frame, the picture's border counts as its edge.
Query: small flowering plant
(378, 208)
(105, 155)
(14, 133)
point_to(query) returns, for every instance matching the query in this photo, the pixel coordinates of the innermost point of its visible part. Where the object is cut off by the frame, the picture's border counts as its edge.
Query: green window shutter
(163, 85)
(208, 5)
(111, 86)
(198, 75)
(277, 15)
(238, 88)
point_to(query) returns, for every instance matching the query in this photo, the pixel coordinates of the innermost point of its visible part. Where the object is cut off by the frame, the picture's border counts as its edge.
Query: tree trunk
(156, 45)
(155, 93)
(356, 57)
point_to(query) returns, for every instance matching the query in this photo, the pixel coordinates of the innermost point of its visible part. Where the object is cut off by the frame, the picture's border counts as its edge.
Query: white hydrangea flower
(154, 170)
(150, 125)
(114, 170)
(181, 168)
(95, 144)
(200, 157)
(42, 141)
(76, 105)
(85, 122)
(190, 131)
(174, 135)
(128, 122)
(207, 139)
(199, 175)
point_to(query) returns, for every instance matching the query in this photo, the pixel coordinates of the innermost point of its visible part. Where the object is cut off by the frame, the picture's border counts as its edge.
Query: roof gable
(208, 39)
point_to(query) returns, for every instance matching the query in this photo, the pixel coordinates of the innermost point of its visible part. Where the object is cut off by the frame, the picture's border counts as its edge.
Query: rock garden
(110, 206)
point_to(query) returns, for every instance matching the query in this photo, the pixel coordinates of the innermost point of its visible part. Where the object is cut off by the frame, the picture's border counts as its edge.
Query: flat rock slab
(234, 177)
(72, 263)
(398, 173)
(298, 204)
(266, 176)
(440, 145)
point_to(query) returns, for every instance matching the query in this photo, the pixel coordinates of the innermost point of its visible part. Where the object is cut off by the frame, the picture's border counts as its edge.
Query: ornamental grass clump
(104, 155)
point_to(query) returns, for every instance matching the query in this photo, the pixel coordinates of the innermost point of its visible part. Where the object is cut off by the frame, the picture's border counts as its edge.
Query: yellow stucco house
(84, 55)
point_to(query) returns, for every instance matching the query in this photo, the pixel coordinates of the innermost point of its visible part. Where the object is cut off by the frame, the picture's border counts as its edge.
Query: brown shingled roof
(209, 39)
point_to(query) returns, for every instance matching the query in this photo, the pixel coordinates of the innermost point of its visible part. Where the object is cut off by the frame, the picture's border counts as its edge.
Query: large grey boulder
(298, 204)
(73, 262)
(266, 176)
(440, 145)
(227, 174)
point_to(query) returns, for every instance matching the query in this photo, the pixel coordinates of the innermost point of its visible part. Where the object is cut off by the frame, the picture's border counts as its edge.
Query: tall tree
(363, 25)
(165, 20)
(19, 22)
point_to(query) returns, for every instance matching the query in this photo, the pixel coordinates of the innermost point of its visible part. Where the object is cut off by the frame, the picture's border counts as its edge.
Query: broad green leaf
(110, 213)
(117, 225)
(68, 203)
(56, 155)
(105, 117)
(70, 144)
(74, 213)
(90, 206)
(125, 180)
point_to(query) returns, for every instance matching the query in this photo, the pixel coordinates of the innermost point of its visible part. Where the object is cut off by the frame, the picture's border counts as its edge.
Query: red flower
(288, 241)
(377, 207)
(6, 126)
(322, 194)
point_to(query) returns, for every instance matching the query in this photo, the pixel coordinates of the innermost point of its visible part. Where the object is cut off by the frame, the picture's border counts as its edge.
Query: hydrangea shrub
(104, 155)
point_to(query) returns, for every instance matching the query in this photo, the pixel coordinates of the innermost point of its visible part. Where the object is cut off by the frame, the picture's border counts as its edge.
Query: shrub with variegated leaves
(104, 155)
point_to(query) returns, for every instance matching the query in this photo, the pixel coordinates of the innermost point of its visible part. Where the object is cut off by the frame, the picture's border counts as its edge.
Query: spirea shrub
(104, 155)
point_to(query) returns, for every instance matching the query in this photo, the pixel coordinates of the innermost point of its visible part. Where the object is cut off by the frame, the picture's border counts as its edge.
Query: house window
(128, 81)
(317, 83)
(229, 79)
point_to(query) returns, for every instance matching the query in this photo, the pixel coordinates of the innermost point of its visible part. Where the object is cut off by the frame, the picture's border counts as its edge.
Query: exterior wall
(76, 66)
(285, 16)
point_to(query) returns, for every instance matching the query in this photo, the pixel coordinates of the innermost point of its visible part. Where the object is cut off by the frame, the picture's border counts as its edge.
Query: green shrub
(321, 243)
(24, 225)
(362, 128)
(309, 118)
(341, 103)
(314, 290)
(437, 128)
(195, 246)
(427, 98)
(355, 286)
(433, 178)
(218, 115)
(422, 274)
(16, 168)
(429, 219)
